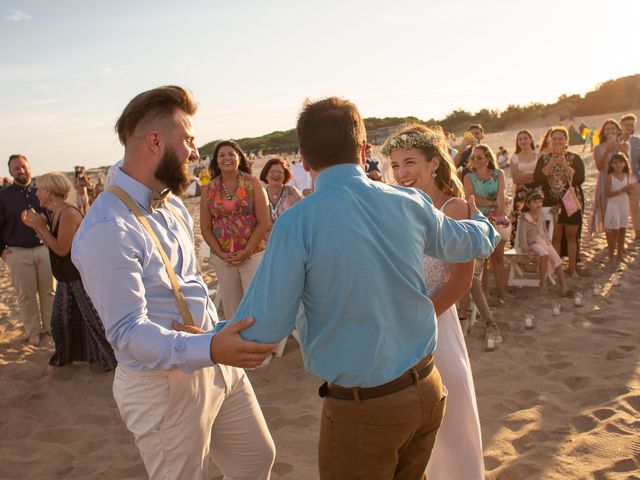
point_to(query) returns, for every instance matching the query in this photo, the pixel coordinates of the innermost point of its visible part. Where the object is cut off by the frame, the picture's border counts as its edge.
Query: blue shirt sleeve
(275, 292)
(458, 241)
(109, 259)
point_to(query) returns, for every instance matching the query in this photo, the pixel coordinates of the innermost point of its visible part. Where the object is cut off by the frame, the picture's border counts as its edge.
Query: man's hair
(13, 157)
(330, 132)
(161, 101)
(628, 116)
(475, 125)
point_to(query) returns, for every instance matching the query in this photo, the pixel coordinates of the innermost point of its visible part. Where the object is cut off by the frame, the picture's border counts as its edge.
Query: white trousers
(233, 281)
(173, 416)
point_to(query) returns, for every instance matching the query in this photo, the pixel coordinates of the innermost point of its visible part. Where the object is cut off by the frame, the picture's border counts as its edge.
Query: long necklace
(273, 209)
(226, 192)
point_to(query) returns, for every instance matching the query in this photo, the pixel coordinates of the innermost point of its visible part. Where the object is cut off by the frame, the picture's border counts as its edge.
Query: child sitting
(534, 240)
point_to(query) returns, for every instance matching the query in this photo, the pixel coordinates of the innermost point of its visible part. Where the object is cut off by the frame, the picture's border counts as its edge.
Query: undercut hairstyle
(531, 143)
(628, 116)
(330, 132)
(159, 102)
(621, 156)
(15, 156)
(214, 168)
(602, 136)
(491, 157)
(56, 183)
(271, 163)
(475, 125)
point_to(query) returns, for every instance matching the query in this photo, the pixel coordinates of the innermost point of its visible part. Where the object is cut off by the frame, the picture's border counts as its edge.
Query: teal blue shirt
(352, 253)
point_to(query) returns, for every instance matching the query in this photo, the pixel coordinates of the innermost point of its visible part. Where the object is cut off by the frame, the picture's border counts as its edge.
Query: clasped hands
(33, 219)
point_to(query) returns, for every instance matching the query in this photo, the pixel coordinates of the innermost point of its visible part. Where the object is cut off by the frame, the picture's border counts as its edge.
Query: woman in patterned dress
(555, 173)
(234, 220)
(76, 328)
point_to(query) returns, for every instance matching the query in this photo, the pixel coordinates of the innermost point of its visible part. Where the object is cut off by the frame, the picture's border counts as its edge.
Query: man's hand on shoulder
(228, 347)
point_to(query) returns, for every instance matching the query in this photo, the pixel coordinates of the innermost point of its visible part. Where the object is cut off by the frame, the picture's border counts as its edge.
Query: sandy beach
(561, 401)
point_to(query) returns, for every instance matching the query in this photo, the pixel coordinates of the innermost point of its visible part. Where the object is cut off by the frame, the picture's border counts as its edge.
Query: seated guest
(534, 240)
(76, 329)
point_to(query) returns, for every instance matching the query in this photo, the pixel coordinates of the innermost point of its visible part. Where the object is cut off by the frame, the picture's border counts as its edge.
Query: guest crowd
(239, 209)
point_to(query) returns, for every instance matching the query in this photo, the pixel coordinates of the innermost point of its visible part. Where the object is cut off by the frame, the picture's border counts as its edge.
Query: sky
(69, 67)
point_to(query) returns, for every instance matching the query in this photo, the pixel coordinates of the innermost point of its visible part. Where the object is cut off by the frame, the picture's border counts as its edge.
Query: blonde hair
(56, 183)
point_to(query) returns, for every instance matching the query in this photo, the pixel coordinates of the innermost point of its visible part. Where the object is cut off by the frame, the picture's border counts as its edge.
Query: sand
(561, 401)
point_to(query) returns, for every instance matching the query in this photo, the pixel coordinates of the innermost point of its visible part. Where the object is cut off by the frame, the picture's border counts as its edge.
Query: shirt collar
(144, 196)
(339, 174)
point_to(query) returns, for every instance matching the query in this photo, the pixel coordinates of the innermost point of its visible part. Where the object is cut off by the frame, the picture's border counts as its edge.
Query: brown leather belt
(420, 370)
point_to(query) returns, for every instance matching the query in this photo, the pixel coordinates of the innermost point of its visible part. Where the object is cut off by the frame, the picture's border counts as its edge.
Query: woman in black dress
(76, 328)
(555, 172)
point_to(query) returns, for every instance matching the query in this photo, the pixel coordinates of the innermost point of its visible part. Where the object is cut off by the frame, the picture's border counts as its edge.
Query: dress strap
(446, 203)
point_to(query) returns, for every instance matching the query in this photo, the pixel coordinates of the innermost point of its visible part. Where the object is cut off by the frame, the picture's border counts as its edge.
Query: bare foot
(34, 340)
(544, 290)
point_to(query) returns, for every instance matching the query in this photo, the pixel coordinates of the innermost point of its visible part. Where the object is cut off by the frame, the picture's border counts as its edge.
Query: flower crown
(406, 141)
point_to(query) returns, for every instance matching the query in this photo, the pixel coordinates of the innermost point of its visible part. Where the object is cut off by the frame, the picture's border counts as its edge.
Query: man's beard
(23, 179)
(173, 172)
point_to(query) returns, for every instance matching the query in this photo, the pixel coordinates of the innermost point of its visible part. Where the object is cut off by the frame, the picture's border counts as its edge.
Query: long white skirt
(457, 453)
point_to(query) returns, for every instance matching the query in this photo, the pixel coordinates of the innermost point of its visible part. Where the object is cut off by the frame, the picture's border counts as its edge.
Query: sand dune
(557, 402)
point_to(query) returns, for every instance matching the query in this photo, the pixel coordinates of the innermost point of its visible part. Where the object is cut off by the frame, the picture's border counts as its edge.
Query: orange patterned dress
(234, 219)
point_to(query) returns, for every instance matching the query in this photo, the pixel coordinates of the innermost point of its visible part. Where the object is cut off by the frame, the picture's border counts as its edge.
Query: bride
(420, 159)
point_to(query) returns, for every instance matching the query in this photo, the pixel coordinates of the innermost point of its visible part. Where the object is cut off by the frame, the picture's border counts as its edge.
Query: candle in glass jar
(556, 310)
(596, 289)
(615, 280)
(577, 299)
(491, 343)
(528, 321)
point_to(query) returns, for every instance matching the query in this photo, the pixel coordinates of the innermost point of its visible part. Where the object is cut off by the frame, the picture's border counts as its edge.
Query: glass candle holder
(490, 343)
(615, 280)
(577, 299)
(528, 321)
(556, 309)
(597, 289)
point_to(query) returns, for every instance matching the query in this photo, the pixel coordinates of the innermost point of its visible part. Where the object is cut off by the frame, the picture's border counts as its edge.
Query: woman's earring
(434, 174)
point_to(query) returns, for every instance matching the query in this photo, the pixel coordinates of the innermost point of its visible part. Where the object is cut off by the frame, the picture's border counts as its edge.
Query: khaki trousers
(32, 278)
(634, 203)
(233, 282)
(384, 438)
(173, 416)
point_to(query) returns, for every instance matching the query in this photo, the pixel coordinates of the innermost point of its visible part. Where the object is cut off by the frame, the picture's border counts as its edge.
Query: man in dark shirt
(24, 252)
(473, 137)
(372, 165)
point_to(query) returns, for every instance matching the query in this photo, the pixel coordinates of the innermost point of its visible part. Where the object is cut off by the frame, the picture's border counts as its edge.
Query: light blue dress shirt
(352, 253)
(124, 275)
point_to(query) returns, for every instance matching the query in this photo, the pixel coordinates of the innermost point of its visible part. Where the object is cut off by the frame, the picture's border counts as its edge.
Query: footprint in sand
(603, 413)
(584, 423)
(634, 402)
(528, 441)
(626, 465)
(280, 468)
(302, 421)
(491, 463)
(627, 348)
(615, 355)
(576, 383)
(610, 333)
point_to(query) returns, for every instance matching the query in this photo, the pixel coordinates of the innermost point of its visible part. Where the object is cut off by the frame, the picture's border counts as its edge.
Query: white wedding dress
(457, 453)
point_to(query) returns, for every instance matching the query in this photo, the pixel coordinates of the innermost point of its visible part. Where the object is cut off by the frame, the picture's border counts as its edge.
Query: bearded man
(24, 252)
(135, 253)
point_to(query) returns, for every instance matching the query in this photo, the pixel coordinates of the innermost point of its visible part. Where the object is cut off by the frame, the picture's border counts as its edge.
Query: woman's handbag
(571, 202)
